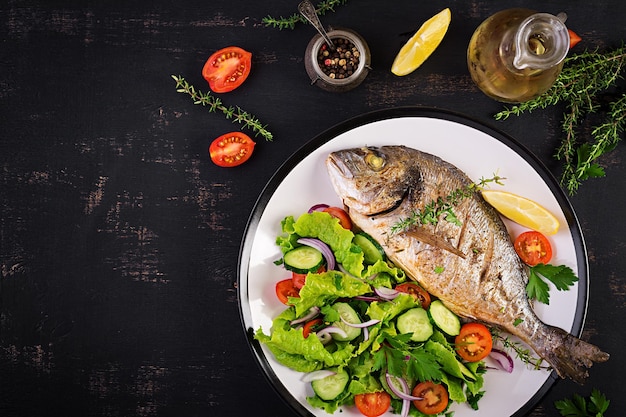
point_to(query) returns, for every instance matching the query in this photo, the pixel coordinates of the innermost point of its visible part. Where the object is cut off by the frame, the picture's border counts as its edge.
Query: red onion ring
(318, 207)
(326, 333)
(386, 293)
(402, 394)
(361, 325)
(313, 312)
(503, 359)
(322, 247)
(316, 375)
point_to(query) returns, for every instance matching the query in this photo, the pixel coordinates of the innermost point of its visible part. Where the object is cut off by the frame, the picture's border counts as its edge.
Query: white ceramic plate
(478, 150)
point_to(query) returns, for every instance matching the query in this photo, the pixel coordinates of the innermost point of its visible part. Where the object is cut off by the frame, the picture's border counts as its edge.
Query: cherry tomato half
(434, 397)
(573, 38)
(372, 404)
(533, 248)
(300, 279)
(474, 342)
(417, 292)
(309, 326)
(344, 218)
(285, 289)
(231, 149)
(227, 69)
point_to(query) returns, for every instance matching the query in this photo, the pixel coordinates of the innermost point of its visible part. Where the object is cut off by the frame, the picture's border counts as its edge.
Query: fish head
(372, 180)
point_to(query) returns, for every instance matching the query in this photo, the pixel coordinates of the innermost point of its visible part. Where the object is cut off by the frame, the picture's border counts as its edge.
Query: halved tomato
(434, 397)
(417, 292)
(344, 218)
(227, 69)
(310, 326)
(300, 279)
(533, 248)
(474, 342)
(372, 404)
(231, 149)
(285, 289)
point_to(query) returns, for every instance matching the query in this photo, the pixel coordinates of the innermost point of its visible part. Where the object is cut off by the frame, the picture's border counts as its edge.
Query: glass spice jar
(342, 69)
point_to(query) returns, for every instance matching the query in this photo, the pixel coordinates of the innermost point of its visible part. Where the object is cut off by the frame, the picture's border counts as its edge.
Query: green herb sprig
(290, 22)
(584, 77)
(215, 104)
(521, 352)
(578, 406)
(442, 208)
(561, 276)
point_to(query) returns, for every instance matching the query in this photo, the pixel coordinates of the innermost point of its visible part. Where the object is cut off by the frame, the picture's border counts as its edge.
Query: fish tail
(569, 356)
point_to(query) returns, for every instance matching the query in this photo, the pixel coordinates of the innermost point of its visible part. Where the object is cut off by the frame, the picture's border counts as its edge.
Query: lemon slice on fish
(522, 211)
(422, 44)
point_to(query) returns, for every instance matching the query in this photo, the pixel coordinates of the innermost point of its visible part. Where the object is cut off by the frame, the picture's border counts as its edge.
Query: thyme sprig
(583, 78)
(443, 207)
(521, 352)
(215, 104)
(290, 22)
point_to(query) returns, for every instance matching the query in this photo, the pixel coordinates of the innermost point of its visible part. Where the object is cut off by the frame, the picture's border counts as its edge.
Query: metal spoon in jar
(307, 10)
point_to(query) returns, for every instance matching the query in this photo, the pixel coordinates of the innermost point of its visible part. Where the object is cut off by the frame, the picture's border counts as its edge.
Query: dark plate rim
(400, 112)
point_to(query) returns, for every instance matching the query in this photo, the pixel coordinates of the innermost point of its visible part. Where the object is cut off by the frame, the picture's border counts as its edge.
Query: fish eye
(374, 160)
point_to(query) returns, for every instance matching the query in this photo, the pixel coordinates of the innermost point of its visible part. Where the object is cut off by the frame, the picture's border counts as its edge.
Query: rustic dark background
(119, 238)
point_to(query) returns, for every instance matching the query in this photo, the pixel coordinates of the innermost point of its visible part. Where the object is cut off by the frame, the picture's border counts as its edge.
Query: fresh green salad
(361, 332)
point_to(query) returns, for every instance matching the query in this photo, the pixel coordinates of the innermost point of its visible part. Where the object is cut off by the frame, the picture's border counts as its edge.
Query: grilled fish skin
(483, 278)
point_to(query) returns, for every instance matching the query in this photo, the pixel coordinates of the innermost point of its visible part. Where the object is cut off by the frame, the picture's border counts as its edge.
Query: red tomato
(285, 289)
(372, 404)
(344, 218)
(300, 279)
(474, 342)
(309, 326)
(533, 248)
(417, 292)
(231, 149)
(573, 38)
(434, 397)
(227, 69)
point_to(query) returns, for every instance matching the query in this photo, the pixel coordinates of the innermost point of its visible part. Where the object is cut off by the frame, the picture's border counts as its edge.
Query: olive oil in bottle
(517, 54)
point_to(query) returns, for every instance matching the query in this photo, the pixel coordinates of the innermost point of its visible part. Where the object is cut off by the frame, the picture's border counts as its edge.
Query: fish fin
(569, 356)
(429, 238)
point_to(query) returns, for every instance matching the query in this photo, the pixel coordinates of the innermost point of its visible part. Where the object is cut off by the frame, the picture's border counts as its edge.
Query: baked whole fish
(483, 278)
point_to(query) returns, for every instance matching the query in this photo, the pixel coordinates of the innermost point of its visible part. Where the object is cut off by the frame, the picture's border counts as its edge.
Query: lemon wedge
(522, 211)
(422, 44)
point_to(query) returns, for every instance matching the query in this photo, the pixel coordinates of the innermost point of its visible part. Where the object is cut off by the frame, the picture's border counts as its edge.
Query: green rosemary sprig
(521, 352)
(290, 22)
(215, 104)
(583, 78)
(443, 207)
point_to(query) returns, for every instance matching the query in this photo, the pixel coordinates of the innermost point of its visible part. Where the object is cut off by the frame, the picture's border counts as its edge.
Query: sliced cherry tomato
(227, 69)
(300, 279)
(474, 342)
(309, 326)
(344, 218)
(434, 397)
(372, 404)
(533, 248)
(573, 38)
(285, 289)
(417, 292)
(231, 149)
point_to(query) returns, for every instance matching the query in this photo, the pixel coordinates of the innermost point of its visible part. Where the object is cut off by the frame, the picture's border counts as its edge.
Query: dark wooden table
(119, 238)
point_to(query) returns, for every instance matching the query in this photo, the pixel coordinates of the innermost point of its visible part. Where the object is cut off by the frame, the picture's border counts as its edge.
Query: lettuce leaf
(324, 288)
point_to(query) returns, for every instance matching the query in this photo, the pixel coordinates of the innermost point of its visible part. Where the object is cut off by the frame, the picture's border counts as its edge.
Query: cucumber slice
(372, 251)
(415, 321)
(303, 259)
(445, 319)
(332, 386)
(349, 315)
